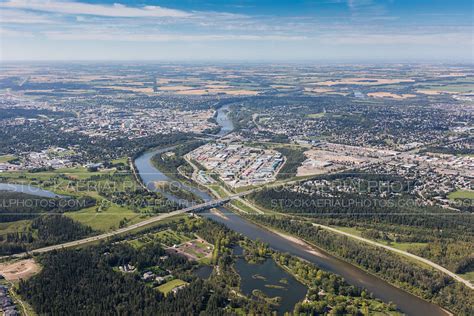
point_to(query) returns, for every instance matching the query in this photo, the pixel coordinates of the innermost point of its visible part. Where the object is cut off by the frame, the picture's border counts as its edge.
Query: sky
(238, 30)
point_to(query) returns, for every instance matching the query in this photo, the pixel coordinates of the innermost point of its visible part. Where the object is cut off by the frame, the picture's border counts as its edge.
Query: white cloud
(399, 39)
(113, 36)
(4, 32)
(115, 10)
(22, 17)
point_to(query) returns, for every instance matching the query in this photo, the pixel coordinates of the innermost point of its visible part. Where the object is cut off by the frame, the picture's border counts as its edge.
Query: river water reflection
(271, 280)
(406, 302)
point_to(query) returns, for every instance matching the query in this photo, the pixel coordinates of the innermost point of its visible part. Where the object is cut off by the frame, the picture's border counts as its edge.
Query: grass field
(350, 230)
(242, 206)
(316, 115)
(405, 246)
(217, 188)
(77, 182)
(108, 219)
(398, 245)
(13, 227)
(6, 158)
(168, 286)
(169, 237)
(468, 276)
(52, 180)
(166, 237)
(449, 87)
(123, 160)
(461, 194)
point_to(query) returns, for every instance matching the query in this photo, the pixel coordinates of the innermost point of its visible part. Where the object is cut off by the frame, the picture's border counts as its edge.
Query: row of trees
(83, 282)
(429, 284)
(43, 231)
(355, 208)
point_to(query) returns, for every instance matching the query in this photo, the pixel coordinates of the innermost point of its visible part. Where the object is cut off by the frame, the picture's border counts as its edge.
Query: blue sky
(244, 30)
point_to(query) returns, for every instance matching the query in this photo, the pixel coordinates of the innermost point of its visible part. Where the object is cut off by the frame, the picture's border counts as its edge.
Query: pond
(405, 301)
(272, 281)
(204, 272)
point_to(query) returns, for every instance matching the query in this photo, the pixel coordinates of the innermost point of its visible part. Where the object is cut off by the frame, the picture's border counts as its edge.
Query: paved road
(149, 221)
(402, 252)
(221, 201)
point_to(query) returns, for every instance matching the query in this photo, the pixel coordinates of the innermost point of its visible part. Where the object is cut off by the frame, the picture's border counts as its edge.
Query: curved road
(218, 202)
(402, 252)
(197, 207)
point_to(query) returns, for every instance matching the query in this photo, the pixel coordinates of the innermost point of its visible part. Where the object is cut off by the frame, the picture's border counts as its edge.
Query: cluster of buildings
(7, 305)
(389, 126)
(53, 157)
(238, 165)
(127, 268)
(429, 177)
(110, 122)
(350, 185)
(149, 276)
(329, 157)
(434, 175)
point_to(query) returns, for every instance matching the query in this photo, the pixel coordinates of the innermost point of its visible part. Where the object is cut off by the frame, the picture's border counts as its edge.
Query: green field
(316, 115)
(44, 179)
(108, 219)
(241, 206)
(123, 160)
(449, 87)
(170, 238)
(468, 276)
(6, 158)
(406, 246)
(350, 230)
(461, 194)
(165, 237)
(78, 182)
(219, 190)
(168, 286)
(14, 227)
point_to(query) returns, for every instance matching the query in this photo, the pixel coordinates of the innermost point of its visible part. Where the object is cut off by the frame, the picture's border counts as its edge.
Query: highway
(402, 252)
(212, 204)
(154, 219)
(218, 202)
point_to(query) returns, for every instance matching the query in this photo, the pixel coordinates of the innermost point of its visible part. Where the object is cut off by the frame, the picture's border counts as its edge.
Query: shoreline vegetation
(463, 292)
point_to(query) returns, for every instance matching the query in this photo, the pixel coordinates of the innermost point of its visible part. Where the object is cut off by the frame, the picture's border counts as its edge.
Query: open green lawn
(123, 160)
(168, 286)
(36, 178)
(218, 189)
(468, 276)
(13, 227)
(241, 206)
(59, 181)
(169, 237)
(349, 230)
(398, 245)
(461, 194)
(405, 246)
(449, 87)
(166, 237)
(203, 245)
(105, 220)
(316, 115)
(6, 158)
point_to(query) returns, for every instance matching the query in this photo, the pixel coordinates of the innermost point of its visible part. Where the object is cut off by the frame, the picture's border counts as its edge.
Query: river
(405, 301)
(28, 189)
(224, 121)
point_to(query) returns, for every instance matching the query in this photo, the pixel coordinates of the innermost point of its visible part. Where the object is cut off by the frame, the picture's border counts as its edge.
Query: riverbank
(352, 274)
